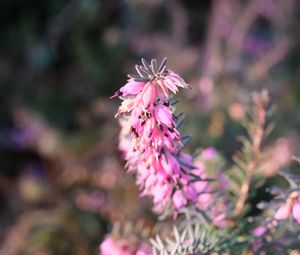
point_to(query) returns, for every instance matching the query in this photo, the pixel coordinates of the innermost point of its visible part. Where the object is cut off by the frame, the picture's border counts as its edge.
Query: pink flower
(290, 207)
(259, 231)
(164, 115)
(219, 219)
(170, 164)
(123, 247)
(209, 153)
(204, 200)
(178, 199)
(144, 250)
(132, 88)
(161, 192)
(296, 211)
(283, 212)
(207, 200)
(111, 247)
(148, 96)
(107, 246)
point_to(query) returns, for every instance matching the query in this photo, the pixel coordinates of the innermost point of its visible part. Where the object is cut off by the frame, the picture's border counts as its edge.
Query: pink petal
(149, 95)
(132, 88)
(201, 186)
(178, 199)
(209, 153)
(108, 246)
(283, 212)
(204, 200)
(150, 181)
(178, 81)
(190, 192)
(296, 212)
(170, 165)
(144, 250)
(134, 120)
(170, 84)
(259, 231)
(163, 87)
(126, 106)
(164, 115)
(160, 193)
(186, 158)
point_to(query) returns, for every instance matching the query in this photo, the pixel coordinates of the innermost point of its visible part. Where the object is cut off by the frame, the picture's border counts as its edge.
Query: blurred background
(62, 181)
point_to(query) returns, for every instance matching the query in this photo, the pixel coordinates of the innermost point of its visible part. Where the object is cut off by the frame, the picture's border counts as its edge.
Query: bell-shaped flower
(161, 192)
(283, 212)
(296, 212)
(148, 95)
(259, 231)
(132, 87)
(164, 115)
(179, 199)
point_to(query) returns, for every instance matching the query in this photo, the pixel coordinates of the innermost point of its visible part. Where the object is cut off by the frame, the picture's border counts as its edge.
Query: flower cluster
(151, 141)
(290, 207)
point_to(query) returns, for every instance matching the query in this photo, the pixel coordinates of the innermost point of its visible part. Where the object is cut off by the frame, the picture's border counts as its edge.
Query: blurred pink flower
(259, 231)
(123, 247)
(144, 250)
(283, 212)
(290, 207)
(209, 153)
(296, 211)
(89, 201)
(132, 88)
(179, 199)
(207, 200)
(278, 156)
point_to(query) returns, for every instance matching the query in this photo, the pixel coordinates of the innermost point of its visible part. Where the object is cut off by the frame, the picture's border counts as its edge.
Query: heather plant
(211, 201)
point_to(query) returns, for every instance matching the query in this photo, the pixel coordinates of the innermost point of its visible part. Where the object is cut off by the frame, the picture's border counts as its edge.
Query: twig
(256, 135)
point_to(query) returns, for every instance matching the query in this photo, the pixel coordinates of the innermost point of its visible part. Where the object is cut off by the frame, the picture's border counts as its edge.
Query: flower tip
(162, 65)
(165, 60)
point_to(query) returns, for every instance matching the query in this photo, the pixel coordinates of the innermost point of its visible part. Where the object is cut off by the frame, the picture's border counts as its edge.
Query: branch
(256, 132)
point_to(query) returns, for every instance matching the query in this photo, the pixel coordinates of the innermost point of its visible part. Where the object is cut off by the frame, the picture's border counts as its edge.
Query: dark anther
(149, 115)
(134, 132)
(171, 129)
